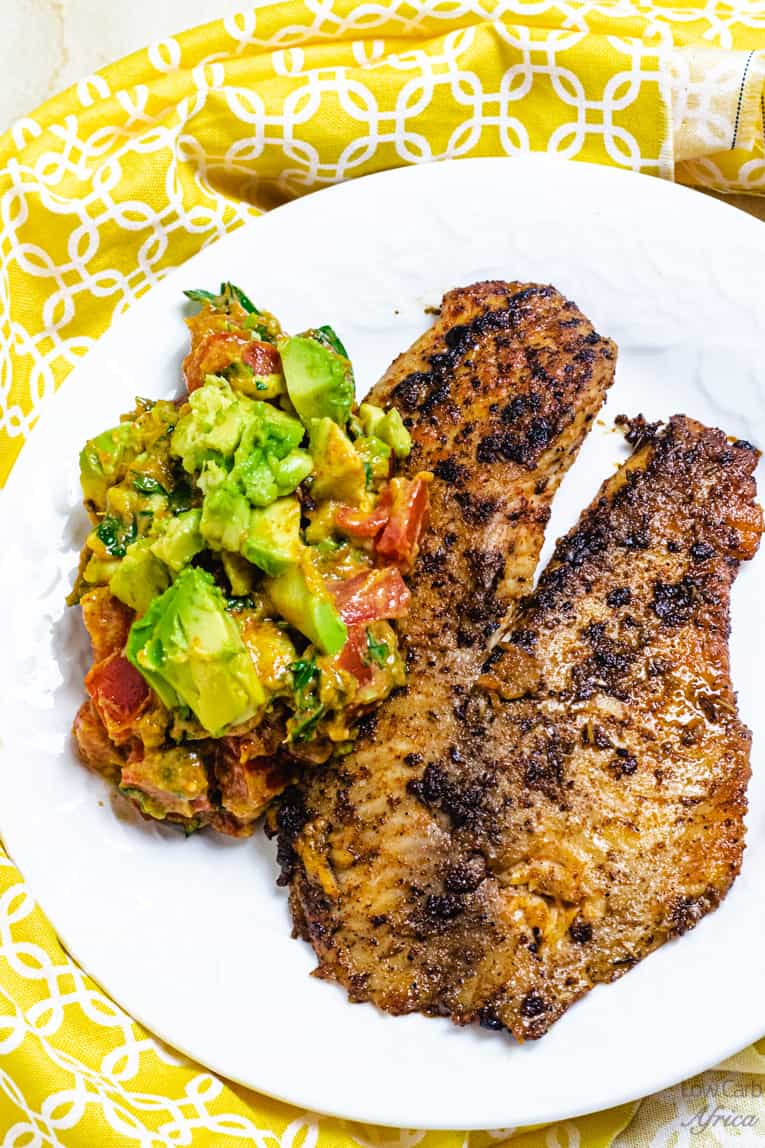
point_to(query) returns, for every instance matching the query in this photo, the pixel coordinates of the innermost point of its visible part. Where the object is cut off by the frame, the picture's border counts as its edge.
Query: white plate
(193, 937)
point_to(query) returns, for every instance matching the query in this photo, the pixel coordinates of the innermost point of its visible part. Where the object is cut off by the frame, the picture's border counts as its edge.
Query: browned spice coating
(587, 804)
(498, 396)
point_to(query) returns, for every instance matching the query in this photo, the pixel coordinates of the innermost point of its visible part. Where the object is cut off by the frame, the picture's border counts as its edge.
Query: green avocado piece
(213, 426)
(99, 571)
(269, 463)
(273, 539)
(339, 471)
(225, 517)
(319, 380)
(139, 577)
(180, 540)
(290, 471)
(388, 426)
(190, 651)
(300, 596)
(240, 573)
(264, 477)
(375, 455)
(279, 431)
(104, 460)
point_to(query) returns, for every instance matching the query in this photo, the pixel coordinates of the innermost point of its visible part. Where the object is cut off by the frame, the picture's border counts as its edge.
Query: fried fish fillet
(498, 396)
(590, 805)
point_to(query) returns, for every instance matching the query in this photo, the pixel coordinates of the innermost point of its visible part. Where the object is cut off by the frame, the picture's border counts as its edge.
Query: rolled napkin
(717, 120)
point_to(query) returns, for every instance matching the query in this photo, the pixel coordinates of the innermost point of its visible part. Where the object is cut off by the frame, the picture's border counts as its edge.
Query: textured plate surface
(192, 936)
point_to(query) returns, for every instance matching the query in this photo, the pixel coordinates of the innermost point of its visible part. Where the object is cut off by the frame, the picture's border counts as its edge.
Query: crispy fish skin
(498, 396)
(591, 806)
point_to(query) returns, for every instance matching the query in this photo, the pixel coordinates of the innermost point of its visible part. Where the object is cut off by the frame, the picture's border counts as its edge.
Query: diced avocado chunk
(386, 426)
(319, 380)
(375, 455)
(339, 471)
(240, 574)
(277, 430)
(262, 443)
(189, 649)
(273, 539)
(213, 426)
(99, 570)
(180, 540)
(225, 516)
(139, 577)
(290, 471)
(300, 596)
(269, 463)
(104, 460)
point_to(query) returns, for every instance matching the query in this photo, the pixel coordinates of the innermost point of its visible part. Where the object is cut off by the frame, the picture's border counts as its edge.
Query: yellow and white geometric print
(130, 172)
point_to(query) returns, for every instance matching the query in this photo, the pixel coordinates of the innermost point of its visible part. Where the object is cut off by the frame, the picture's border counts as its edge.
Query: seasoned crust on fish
(590, 805)
(498, 396)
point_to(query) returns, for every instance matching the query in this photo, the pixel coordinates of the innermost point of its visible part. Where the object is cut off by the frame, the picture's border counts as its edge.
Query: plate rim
(48, 413)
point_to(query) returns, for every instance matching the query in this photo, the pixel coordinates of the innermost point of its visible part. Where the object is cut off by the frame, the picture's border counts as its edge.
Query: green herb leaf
(307, 727)
(240, 297)
(377, 652)
(330, 338)
(115, 535)
(199, 296)
(145, 484)
(228, 294)
(244, 603)
(180, 498)
(303, 673)
(252, 323)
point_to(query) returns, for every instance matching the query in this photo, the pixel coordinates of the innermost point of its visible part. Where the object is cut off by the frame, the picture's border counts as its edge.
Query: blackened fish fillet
(498, 395)
(586, 802)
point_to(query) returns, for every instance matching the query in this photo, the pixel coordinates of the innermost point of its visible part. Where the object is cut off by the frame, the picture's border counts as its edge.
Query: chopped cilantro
(303, 673)
(197, 295)
(331, 339)
(307, 727)
(180, 498)
(376, 651)
(245, 602)
(227, 295)
(115, 535)
(145, 484)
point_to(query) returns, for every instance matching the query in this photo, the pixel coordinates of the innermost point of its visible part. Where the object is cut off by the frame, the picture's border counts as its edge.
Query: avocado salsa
(244, 570)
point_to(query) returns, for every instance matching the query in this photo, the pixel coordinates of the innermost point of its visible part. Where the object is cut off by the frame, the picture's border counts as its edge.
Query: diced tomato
(399, 540)
(359, 525)
(262, 357)
(371, 595)
(118, 692)
(351, 657)
(246, 787)
(216, 351)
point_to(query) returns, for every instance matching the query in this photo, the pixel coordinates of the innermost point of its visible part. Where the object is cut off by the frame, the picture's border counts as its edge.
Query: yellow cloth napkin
(129, 173)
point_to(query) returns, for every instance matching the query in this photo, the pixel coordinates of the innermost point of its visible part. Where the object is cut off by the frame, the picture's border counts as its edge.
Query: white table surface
(47, 45)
